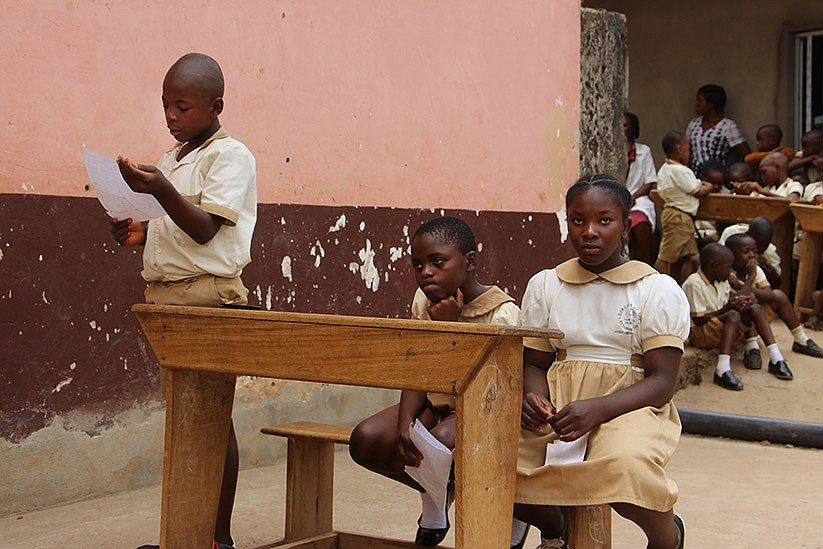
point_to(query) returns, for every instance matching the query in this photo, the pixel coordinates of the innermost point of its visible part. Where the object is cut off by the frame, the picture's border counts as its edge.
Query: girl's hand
(407, 452)
(536, 412)
(576, 419)
(128, 232)
(447, 309)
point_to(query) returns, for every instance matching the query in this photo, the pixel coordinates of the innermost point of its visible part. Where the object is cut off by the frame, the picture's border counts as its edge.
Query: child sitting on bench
(444, 258)
(606, 387)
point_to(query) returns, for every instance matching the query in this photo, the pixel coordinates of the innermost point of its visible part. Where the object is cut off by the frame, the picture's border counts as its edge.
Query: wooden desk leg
(309, 488)
(808, 270)
(590, 527)
(198, 415)
(784, 242)
(488, 425)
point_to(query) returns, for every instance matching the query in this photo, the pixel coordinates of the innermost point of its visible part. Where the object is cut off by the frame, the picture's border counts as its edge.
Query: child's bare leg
(444, 432)
(723, 374)
(813, 322)
(802, 342)
(641, 245)
(757, 317)
(658, 526)
(777, 364)
(373, 444)
(662, 267)
(730, 320)
(689, 265)
(222, 529)
(546, 518)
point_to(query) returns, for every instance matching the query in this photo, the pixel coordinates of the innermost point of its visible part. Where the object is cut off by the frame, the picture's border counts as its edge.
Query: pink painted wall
(459, 104)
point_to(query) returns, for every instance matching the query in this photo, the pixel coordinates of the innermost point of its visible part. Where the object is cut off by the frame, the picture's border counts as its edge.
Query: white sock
(518, 531)
(799, 335)
(751, 343)
(774, 353)
(433, 518)
(724, 364)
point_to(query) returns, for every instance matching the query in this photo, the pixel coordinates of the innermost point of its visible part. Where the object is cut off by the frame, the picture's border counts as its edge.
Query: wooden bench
(310, 480)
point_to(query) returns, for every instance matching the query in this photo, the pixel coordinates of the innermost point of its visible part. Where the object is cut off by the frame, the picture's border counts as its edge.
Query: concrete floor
(732, 495)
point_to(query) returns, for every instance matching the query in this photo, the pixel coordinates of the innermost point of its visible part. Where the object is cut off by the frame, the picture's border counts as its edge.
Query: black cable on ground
(778, 431)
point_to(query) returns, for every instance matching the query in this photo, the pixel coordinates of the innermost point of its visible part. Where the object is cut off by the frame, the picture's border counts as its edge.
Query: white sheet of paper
(435, 467)
(114, 193)
(560, 453)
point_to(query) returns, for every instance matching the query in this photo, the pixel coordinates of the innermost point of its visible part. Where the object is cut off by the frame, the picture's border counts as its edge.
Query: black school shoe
(729, 381)
(780, 369)
(681, 528)
(431, 537)
(752, 359)
(810, 348)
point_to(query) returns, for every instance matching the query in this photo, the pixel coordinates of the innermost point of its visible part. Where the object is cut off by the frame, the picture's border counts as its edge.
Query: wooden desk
(733, 208)
(204, 350)
(811, 221)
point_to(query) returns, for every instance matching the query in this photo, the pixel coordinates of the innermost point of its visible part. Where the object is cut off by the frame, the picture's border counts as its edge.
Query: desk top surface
(142, 309)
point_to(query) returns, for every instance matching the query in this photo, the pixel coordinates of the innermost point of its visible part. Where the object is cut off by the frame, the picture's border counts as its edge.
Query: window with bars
(809, 81)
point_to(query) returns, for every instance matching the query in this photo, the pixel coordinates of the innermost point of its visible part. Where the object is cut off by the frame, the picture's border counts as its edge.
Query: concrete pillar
(603, 92)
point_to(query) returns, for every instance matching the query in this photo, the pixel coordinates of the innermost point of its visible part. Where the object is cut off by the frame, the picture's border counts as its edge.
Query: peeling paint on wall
(285, 268)
(562, 224)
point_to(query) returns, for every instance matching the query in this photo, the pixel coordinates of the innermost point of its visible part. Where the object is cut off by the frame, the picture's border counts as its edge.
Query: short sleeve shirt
(704, 296)
(220, 177)
(605, 317)
(714, 143)
(641, 172)
(786, 188)
(676, 184)
(494, 306)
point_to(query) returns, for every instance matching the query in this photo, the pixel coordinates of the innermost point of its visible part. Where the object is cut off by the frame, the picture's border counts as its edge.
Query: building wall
(743, 46)
(366, 119)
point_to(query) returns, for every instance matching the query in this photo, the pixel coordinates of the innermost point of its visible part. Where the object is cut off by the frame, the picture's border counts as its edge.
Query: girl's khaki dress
(609, 321)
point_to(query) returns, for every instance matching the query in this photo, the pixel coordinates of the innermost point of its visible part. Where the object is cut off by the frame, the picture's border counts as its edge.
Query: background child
(719, 319)
(444, 258)
(680, 190)
(585, 384)
(640, 180)
(774, 170)
(809, 159)
(196, 253)
(768, 141)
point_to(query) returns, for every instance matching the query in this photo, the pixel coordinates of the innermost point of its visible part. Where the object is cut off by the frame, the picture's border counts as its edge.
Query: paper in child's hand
(114, 193)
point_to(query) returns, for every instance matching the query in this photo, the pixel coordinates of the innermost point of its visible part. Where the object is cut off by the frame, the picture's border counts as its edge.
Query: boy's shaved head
(778, 159)
(740, 171)
(449, 230)
(815, 136)
(201, 72)
(773, 131)
(736, 240)
(671, 140)
(714, 253)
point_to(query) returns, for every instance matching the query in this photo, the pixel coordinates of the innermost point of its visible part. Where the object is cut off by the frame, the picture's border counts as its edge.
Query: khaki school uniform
(707, 297)
(220, 178)
(494, 306)
(609, 321)
(676, 185)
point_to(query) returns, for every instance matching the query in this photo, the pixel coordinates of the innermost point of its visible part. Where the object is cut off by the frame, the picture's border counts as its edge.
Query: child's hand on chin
(447, 309)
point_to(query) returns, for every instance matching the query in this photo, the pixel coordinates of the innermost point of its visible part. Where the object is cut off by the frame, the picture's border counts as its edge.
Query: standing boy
(207, 184)
(681, 191)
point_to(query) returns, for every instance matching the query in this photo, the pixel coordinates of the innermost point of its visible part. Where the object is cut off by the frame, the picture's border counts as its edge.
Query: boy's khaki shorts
(708, 335)
(678, 235)
(199, 291)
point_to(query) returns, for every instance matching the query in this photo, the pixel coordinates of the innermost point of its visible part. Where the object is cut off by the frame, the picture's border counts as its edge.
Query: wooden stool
(310, 482)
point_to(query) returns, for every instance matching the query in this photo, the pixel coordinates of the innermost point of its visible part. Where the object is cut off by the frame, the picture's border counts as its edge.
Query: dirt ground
(733, 494)
(763, 394)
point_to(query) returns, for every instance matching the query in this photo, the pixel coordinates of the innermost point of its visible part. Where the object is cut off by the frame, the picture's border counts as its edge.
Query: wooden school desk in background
(811, 221)
(733, 208)
(205, 349)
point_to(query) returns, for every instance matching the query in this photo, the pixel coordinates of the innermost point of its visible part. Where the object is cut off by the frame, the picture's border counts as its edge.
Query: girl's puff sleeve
(535, 311)
(665, 317)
